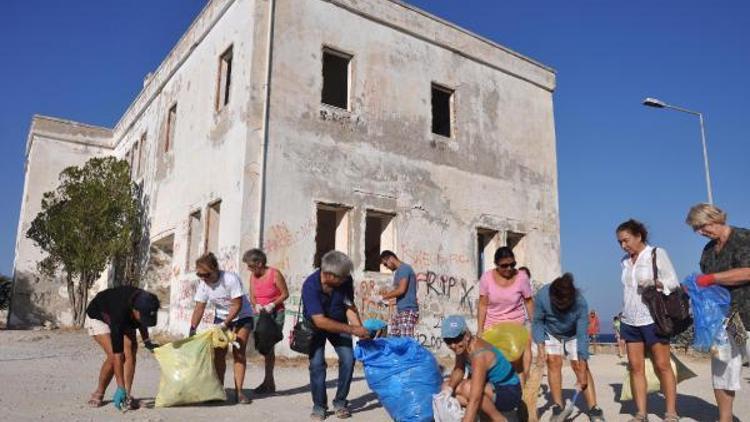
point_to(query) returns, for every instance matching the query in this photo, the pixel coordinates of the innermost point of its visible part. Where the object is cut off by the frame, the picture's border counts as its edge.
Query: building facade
(309, 125)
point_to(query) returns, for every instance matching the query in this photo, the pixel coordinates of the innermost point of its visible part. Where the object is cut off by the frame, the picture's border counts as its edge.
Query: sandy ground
(48, 375)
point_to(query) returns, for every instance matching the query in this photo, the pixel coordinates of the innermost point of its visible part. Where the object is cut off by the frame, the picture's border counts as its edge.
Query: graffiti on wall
(184, 302)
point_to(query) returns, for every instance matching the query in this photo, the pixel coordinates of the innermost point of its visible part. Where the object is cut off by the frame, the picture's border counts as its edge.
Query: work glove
(705, 280)
(119, 398)
(269, 307)
(258, 308)
(191, 332)
(150, 345)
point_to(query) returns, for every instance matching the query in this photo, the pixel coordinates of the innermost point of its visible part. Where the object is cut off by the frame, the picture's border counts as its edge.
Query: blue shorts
(507, 396)
(644, 334)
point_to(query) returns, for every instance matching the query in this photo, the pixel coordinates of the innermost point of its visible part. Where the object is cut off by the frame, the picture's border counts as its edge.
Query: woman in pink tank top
(268, 292)
(505, 296)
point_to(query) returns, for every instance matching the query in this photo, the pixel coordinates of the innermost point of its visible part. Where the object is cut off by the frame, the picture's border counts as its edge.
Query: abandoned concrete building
(308, 125)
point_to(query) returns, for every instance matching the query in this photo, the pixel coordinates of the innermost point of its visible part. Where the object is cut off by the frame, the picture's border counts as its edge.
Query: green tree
(5, 290)
(91, 218)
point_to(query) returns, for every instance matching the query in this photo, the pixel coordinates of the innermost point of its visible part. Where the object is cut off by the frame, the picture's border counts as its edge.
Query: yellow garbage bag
(510, 338)
(653, 385)
(188, 374)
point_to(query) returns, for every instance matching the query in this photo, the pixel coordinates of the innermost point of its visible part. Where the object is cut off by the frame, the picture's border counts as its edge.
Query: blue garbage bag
(710, 307)
(403, 374)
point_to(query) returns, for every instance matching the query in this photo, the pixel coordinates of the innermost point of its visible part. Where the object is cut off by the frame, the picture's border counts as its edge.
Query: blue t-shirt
(316, 302)
(407, 302)
(572, 324)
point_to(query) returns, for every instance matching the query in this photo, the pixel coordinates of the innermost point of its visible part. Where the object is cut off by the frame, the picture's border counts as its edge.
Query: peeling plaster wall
(497, 172)
(53, 144)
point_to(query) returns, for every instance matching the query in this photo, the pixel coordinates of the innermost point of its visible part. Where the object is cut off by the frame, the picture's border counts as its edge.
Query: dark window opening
(378, 236)
(331, 231)
(336, 79)
(442, 115)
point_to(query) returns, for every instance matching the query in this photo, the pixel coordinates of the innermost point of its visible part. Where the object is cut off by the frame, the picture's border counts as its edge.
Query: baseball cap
(147, 304)
(453, 326)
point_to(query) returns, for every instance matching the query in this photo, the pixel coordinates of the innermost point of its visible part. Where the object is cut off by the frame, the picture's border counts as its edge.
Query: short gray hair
(702, 214)
(254, 256)
(336, 263)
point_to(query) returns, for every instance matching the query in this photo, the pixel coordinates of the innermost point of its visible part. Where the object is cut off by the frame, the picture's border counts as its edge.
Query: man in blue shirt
(559, 330)
(404, 321)
(328, 301)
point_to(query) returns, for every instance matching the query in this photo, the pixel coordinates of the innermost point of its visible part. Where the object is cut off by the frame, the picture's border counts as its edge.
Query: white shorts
(95, 327)
(567, 348)
(726, 366)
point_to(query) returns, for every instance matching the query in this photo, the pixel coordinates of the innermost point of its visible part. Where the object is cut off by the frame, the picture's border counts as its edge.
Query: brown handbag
(671, 313)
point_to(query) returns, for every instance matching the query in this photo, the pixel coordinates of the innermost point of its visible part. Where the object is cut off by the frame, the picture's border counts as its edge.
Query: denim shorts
(644, 334)
(507, 396)
(238, 324)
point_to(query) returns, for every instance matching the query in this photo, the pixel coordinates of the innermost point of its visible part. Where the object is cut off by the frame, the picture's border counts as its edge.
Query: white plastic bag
(445, 408)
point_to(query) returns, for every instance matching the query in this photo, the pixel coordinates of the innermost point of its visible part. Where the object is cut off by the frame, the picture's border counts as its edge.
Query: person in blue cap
(492, 387)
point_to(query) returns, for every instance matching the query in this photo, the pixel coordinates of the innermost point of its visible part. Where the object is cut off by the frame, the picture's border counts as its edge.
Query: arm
(234, 310)
(667, 274)
(324, 323)
(481, 314)
(456, 375)
(399, 291)
(582, 327)
(200, 308)
(733, 277)
(537, 330)
(281, 284)
(529, 303)
(478, 379)
(117, 338)
(251, 292)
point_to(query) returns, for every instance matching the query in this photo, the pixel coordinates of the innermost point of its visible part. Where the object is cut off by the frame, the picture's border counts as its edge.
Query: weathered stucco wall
(497, 172)
(53, 144)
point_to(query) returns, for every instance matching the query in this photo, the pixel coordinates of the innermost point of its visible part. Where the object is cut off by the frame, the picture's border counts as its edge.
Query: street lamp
(656, 103)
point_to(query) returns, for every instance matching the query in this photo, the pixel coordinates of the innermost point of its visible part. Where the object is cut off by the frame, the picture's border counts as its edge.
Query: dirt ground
(48, 375)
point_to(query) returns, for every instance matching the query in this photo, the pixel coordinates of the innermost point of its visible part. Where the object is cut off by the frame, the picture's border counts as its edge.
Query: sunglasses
(203, 275)
(454, 340)
(506, 266)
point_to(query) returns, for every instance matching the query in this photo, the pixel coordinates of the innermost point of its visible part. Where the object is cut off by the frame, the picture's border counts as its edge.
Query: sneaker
(596, 414)
(317, 417)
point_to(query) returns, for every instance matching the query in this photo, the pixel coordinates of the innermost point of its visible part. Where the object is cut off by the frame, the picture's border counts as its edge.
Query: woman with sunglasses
(505, 295)
(492, 387)
(268, 291)
(233, 312)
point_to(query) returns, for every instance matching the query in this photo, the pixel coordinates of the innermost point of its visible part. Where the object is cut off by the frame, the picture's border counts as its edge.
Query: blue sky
(86, 59)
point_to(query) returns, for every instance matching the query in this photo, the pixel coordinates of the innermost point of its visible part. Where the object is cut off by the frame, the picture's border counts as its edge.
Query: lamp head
(653, 102)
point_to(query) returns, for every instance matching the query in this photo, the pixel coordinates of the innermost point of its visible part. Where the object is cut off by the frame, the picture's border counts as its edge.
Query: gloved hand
(446, 390)
(258, 308)
(269, 307)
(705, 280)
(150, 345)
(119, 398)
(191, 332)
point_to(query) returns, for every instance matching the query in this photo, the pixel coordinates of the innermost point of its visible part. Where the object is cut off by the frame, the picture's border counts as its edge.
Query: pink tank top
(265, 288)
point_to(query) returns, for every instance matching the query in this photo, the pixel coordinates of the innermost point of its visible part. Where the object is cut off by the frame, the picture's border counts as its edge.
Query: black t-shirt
(115, 307)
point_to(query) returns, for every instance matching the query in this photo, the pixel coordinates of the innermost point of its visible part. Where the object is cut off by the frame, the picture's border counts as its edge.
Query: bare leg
(268, 380)
(725, 401)
(590, 392)
(106, 372)
(554, 377)
(487, 406)
(663, 368)
(131, 348)
(220, 363)
(636, 360)
(240, 363)
(527, 356)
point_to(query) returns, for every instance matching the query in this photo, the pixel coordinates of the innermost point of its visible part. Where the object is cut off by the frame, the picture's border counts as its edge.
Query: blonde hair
(702, 214)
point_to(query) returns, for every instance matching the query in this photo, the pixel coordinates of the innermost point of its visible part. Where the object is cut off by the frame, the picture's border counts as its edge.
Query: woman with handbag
(642, 267)
(268, 291)
(722, 261)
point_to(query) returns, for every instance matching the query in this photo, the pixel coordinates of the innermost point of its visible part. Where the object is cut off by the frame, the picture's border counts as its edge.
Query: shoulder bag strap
(299, 309)
(655, 269)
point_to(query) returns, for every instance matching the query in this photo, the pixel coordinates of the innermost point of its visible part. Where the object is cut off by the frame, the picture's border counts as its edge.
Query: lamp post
(656, 103)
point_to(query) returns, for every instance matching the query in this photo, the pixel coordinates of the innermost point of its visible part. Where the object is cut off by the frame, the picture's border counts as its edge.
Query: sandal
(639, 418)
(343, 413)
(96, 400)
(264, 389)
(671, 417)
(242, 399)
